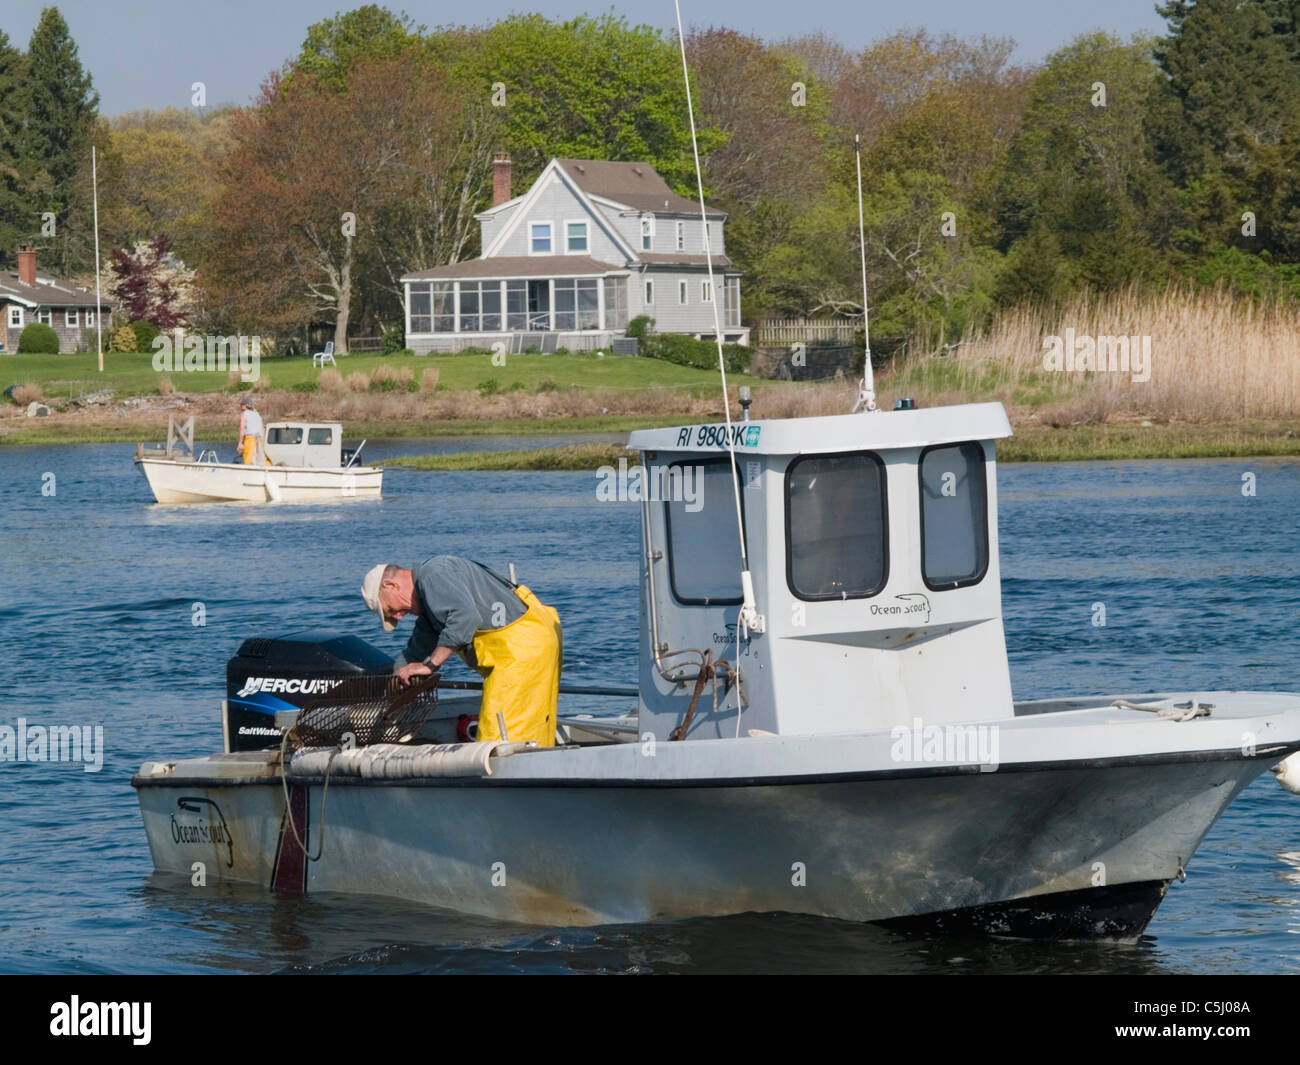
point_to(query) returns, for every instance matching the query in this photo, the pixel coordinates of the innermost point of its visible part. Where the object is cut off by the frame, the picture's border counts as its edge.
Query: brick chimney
(500, 178)
(27, 265)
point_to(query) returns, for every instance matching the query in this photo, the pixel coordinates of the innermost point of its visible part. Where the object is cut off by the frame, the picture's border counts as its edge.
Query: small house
(68, 309)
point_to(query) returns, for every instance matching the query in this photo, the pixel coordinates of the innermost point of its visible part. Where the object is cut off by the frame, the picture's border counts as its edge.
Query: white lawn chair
(322, 358)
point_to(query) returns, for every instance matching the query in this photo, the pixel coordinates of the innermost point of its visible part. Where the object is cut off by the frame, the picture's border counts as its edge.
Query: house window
(15, 317)
(541, 238)
(70, 317)
(681, 292)
(577, 303)
(575, 234)
(90, 319)
(480, 306)
(649, 292)
(444, 307)
(421, 309)
(647, 230)
(615, 303)
(45, 315)
(706, 291)
(681, 236)
(731, 301)
(516, 304)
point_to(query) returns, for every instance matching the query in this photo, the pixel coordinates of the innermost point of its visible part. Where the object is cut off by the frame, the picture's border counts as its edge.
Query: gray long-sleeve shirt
(457, 598)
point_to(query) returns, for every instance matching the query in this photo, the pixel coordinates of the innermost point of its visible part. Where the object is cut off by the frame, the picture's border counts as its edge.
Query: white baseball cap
(370, 593)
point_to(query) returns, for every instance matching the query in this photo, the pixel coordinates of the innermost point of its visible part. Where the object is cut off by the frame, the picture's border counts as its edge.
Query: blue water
(1200, 586)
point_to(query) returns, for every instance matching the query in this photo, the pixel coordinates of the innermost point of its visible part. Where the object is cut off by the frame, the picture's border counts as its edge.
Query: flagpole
(99, 307)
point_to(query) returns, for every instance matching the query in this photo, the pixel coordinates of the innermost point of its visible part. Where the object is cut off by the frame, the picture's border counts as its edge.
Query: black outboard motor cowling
(287, 673)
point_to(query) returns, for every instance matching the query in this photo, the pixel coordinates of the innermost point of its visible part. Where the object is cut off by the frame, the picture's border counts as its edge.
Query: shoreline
(1129, 439)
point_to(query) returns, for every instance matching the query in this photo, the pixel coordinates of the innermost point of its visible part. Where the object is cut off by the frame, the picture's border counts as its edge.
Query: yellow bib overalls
(520, 666)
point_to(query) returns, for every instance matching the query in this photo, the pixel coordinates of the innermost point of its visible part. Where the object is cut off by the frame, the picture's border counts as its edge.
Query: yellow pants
(520, 664)
(249, 445)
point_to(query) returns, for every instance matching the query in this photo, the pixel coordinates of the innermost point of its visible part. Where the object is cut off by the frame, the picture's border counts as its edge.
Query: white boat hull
(219, 482)
(1081, 845)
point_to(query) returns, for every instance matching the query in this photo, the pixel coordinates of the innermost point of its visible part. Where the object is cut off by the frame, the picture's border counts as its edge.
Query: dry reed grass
(1214, 356)
(330, 381)
(27, 393)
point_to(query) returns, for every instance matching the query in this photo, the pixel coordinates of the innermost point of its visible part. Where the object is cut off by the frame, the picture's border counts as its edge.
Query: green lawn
(133, 375)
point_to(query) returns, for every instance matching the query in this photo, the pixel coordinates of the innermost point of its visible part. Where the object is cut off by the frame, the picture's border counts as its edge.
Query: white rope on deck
(1168, 713)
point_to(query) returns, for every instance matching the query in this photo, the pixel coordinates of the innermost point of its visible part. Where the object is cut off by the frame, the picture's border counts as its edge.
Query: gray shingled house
(568, 264)
(68, 309)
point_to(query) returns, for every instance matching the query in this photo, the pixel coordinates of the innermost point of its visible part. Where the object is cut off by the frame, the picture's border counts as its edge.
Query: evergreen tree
(61, 110)
(15, 220)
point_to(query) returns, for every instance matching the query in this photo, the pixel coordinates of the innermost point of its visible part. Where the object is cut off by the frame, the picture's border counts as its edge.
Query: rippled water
(1201, 588)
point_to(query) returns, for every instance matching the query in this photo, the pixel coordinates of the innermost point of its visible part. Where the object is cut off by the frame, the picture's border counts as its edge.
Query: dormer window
(540, 238)
(647, 231)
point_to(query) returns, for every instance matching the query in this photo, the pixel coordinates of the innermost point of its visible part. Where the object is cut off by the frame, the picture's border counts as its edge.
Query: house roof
(518, 266)
(46, 293)
(665, 258)
(634, 185)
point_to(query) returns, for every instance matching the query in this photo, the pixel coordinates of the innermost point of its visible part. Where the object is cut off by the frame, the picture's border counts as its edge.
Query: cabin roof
(880, 430)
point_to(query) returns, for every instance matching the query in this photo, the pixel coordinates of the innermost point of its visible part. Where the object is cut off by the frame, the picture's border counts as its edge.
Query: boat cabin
(873, 549)
(318, 444)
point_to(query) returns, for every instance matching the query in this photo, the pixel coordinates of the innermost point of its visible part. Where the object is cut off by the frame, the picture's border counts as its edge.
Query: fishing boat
(853, 751)
(301, 462)
(822, 723)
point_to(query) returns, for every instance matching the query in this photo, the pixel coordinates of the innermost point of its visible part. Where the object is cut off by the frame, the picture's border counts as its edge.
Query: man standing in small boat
(250, 433)
(499, 628)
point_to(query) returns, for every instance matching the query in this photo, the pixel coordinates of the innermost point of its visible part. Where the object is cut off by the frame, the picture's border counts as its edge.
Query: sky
(147, 53)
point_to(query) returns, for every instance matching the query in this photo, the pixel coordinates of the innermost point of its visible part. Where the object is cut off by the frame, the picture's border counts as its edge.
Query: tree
(150, 284)
(314, 175)
(16, 218)
(1080, 178)
(61, 106)
(368, 34)
(587, 88)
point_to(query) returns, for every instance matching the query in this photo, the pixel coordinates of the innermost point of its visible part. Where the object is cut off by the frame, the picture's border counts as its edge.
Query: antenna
(867, 389)
(99, 307)
(750, 618)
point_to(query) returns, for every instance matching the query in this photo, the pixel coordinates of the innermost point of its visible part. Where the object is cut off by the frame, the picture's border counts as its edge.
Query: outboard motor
(287, 673)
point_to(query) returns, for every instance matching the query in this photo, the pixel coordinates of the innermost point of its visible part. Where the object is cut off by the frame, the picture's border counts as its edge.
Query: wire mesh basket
(364, 710)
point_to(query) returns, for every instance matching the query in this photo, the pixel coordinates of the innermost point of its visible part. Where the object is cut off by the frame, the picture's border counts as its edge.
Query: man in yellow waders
(250, 433)
(499, 628)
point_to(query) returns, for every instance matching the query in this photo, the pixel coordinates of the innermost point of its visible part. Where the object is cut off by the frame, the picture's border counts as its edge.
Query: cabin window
(704, 563)
(45, 316)
(838, 544)
(70, 318)
(954, 516)
(320, 436)
(283, 434)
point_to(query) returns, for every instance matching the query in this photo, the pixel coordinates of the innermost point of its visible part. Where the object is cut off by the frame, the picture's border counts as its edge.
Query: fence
(783, 331)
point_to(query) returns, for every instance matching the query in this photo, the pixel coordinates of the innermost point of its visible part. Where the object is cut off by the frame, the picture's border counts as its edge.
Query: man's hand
(412, 669)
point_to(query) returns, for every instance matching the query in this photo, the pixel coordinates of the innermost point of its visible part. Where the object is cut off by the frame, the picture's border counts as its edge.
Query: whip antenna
(867, 389)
